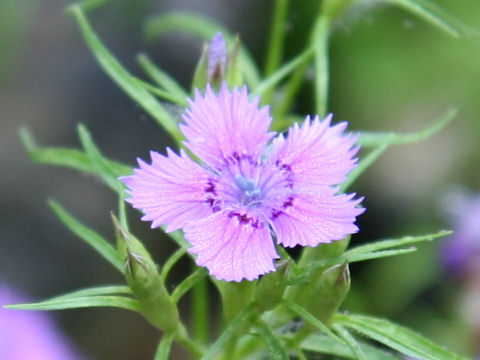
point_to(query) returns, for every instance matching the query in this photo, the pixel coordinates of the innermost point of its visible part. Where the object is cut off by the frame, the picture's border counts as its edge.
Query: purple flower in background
(249, 188)
(27, 335)
(461, 251)
(217, 58)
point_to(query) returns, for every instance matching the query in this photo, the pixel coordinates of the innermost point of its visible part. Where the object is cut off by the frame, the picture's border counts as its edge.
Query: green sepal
(323, 251)
(200, 76)
(270, 288)
(323, 295)
(145, 281)
(236, 296)
(233, 70)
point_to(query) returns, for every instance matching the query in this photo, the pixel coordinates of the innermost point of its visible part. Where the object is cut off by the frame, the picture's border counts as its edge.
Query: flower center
(250, 193)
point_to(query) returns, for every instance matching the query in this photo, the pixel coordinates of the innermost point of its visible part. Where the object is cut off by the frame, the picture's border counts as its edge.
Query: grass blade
(431, 13)
(81, 302)
(326, 345)
(97, 242)
(123, 78)
(374, 139)
(396, 337)
(274, 347)
(311, 319)
(96, 291)
(364, 164)
(68, 158)
(161, 78)
(392, 243)
(188, 283)
(230, 330)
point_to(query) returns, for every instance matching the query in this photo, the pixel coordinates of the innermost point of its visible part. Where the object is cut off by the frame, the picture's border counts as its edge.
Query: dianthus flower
(251, 187)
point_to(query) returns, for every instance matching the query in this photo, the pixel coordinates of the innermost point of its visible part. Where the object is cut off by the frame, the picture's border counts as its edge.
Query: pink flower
(251, 188)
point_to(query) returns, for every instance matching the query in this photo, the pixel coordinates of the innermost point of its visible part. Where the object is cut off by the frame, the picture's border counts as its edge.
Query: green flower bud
(236, 296)
(270, 287)
(216, 65)
(144, 279)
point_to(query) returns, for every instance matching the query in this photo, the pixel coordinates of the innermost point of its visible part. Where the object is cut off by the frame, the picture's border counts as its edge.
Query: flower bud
(325, 291)
(236, 296)
(270, 287)
(216, 65)
(143, 278)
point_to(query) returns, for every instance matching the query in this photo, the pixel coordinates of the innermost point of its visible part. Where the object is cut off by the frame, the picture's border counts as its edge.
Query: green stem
(192, 346)
(200, 311)
(291, 89)
(320, 43)
(276, 41)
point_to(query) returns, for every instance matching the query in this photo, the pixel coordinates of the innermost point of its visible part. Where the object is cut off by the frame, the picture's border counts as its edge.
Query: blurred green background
(389, 71)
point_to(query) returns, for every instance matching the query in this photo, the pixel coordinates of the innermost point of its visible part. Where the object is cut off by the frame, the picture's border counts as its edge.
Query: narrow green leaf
(374, 139)
(229, 331)
(81, 302)
(204, 28)
(188, 283)
(96, 291)
(320, 45)
(69, 158)
(364, 164)
(326, 345)
(396, 337)
(393, 243)
(123, 78)
(92, 238)
(171, 261)
(305, 275)
(161, 77)
(89, 5)
(311, 319)
(350, 340)
(177, 236)
(163, 351)
(282, 72)
(182, 101)
(431, 13)
(274, 348)
(101, 166)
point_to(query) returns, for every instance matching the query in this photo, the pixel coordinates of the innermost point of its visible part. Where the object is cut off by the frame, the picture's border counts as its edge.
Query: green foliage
(258, 312)
(203, 28)
(96, 241)
(396, 337)
(93, 297)
(325, 345)
(430, 12)
(123, 78)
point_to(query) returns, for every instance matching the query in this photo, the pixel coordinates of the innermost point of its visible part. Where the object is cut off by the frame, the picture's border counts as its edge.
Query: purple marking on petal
(228, 207)
(316, 217)
(230, 248)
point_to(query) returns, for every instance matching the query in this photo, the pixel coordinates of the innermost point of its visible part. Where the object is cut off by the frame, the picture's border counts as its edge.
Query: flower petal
(316, 152)
(316, 217)
(229, 249)
(169, 191)
(219, 127)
